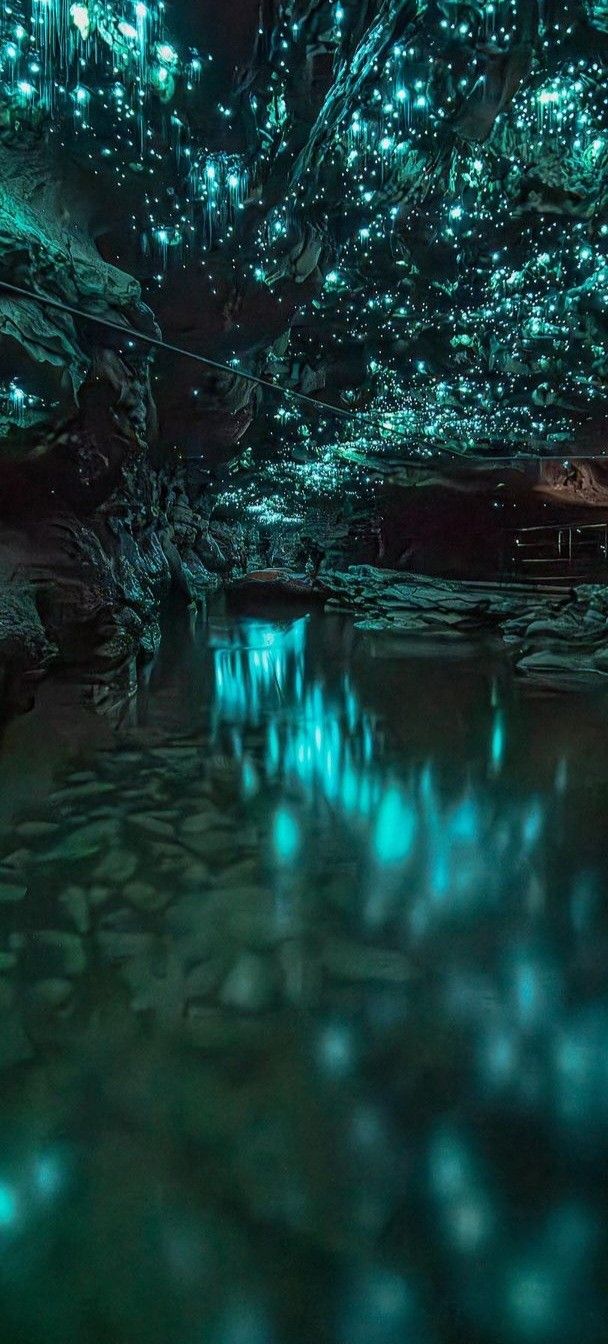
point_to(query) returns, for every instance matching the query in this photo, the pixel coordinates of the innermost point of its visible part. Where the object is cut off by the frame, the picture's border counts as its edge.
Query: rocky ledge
(550, 630)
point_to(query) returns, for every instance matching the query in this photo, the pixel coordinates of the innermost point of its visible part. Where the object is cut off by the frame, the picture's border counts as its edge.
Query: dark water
(304, 1002)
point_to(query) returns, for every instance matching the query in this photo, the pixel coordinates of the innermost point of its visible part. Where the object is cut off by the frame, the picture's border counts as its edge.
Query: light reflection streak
(317, 744)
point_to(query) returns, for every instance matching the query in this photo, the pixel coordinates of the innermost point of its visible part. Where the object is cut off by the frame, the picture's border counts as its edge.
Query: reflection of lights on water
(325, 747)
(584, 902)
(497, 746)
(8, 1205)
(322, 746)
(532, 1299)
(580, 1067)
(336, 1049)
(379, 1307)
(249, 779)
(532, 823)
(285, 836)
(395, 827)
(48, 1175)
(255, 665)
(42, 1182)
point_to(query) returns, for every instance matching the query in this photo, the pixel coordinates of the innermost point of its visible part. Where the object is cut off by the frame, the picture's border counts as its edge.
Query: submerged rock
(84, 842)
(117, 866)
(346, 960)
(250, 985)
(74, 902)
(15, 1046)
(11, 891)
(36, 830)
(63, 951)
(54, 992)
(144, 896)
(151, 825)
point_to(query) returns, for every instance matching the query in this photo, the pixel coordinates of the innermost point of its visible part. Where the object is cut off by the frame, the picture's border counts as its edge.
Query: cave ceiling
(397, 206)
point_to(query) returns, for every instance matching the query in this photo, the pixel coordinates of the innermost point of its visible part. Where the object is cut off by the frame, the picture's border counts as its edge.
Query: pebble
(202, 821)
(204, 978)
(36, 830)
(168, 857)
(74, 902)
(84, 842)
(144, 896)
(194, 872)
(176, 755)
(11, 891)
(75, 792)
(17, 859)
(211, 844)
(145, 821)
(98, 894)
(53, 992)
(66, 950)
(121, 946)
(117, 866)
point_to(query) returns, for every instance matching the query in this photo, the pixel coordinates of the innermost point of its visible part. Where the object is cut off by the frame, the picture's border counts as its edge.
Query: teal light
(249, 778)
(465, 822)
(48, 1175)
(533, 823)
(497, 748)
(285, 836)
(8, 1206)
(395, 827)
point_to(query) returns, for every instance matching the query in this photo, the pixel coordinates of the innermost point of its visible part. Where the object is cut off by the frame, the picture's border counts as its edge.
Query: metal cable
(356, 417)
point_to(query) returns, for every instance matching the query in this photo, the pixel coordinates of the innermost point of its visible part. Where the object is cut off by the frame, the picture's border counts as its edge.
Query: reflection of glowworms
(321, 745)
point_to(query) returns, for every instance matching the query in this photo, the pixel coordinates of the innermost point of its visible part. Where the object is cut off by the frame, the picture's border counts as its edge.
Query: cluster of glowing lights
(472, 263)
(321, 746)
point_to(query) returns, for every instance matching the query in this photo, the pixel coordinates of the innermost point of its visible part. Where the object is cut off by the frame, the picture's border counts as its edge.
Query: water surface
(304, 1001)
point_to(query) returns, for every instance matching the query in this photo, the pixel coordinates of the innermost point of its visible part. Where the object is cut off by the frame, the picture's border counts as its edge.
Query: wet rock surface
(550, 630)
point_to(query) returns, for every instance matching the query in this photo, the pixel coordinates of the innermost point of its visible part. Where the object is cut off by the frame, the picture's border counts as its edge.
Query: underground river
(304, 993)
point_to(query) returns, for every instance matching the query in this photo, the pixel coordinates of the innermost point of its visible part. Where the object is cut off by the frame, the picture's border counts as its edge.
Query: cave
(303, 671)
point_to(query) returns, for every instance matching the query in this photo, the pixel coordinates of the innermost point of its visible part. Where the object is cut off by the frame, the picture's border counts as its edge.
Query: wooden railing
(562, 547)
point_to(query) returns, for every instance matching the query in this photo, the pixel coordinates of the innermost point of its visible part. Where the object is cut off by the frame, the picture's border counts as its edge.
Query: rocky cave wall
(398, 206)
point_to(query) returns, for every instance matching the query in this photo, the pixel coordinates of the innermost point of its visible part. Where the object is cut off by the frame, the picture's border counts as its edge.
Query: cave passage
(303, 661)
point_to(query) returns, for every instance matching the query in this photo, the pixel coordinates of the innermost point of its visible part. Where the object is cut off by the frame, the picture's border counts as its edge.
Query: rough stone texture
(550, 630)
(25, 649)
